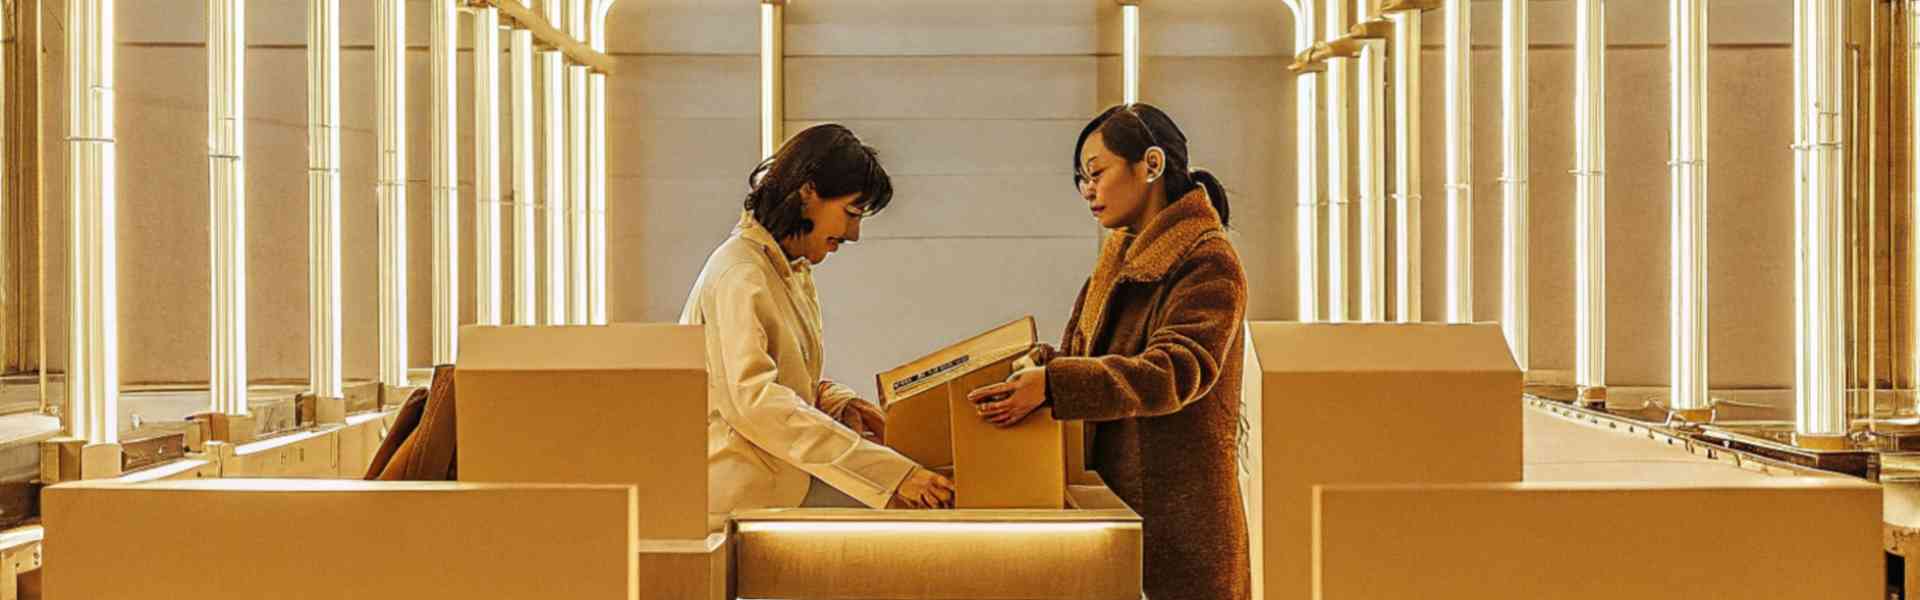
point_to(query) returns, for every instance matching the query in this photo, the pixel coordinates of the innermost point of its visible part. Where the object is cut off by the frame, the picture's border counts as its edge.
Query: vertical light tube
(93, 370)
(226, 175)
(526, 298)
(1687, 43)
(1130, 50)
(554, 128)
(1590, 193)
(392, 64)
(1459, 69)
(1821, 412)
(323, 191)
(1337, 166)
(1407, 181)
(1306, 150)
(1516, 210)
(1913, 151)
(442, 49)
(1372, 162)
(486, 164)
(577, 170)
(773, 93)
(597, 178)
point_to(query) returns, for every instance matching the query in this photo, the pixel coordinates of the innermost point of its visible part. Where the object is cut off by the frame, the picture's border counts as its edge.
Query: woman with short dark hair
(1152, 355)
(777, 434)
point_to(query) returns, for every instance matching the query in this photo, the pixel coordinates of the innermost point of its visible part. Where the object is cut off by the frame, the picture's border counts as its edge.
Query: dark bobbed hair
(831, 159)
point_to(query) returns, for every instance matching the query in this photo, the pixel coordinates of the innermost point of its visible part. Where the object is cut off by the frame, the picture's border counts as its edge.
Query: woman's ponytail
(1216, 192)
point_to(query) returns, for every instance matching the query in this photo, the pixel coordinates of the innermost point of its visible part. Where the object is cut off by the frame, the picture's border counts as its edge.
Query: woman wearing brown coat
(1151, 359)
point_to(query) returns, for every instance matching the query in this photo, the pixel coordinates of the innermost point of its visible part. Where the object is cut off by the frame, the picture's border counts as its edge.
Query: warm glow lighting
(926, 527)
(323, 190)
(227, 177)
(93, 368)
(525, 265)
(772, 47)
(1406, 135)
(1515, 211)
(553, 72)
(577, 200)
(1337, 169)
(1687, 28)
(1130, 54)
(390, 56)
(444, 20)
(1459, 161)
(1372, 163)
(1590, 194)
(597, 179)
(1820, 408)
(1306, 207)
(486, 165)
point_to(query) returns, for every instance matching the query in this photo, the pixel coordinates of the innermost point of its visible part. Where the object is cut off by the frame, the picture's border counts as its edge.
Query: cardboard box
(228, 539)
(312, 454)
(1367, 403)
(832, 554)
(1772, 539)
(687, 570)
(930, 420)
(618, 404)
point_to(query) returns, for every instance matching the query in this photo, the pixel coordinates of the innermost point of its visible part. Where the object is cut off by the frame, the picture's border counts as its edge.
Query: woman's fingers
(989, 391)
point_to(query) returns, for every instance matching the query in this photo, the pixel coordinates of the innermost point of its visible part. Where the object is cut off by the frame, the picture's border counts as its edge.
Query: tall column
(1371, 158)
(444, 27)
(93, 368)
(1406, 135)
(577, 250)
(486, 165)
(1820, 415)
(391, 61)
(1687, 43)
(1130, 56)
(773, 84)
(526, 284)
(1590, 195)
(323, 197)
(1306, 103)
(597, 179)
(227, 177)
(553, 71)
(1337, 167)
(1516, 210)
(1459, 104)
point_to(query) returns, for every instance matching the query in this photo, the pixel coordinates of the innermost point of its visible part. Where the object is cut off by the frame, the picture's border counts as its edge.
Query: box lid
(952, 362)
(1289, 347)
(617, 347)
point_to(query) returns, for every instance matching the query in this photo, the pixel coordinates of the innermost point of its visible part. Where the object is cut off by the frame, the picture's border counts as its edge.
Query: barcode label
(929, 374)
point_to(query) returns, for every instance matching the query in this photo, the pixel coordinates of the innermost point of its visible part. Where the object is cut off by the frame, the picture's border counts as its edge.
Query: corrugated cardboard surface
(1364, 403)
(698, 570)
(822, 554)
(305, 539)
(930, 420)
(1776, 539)
(531, 412)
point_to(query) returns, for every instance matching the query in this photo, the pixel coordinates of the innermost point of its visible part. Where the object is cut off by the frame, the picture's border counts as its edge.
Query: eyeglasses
(860, 212)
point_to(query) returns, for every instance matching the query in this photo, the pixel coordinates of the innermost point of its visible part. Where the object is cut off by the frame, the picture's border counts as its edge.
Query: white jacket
(766, 434)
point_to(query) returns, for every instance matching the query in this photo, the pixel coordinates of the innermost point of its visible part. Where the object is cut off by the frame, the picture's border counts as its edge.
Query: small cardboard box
(1358, 403)
(617, 404)
(930, 420)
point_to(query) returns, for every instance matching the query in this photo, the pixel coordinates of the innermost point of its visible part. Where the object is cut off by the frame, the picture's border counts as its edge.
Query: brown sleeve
(1183, 354)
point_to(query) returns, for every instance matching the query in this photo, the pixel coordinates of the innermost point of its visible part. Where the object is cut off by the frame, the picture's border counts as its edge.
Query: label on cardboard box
(930, 420)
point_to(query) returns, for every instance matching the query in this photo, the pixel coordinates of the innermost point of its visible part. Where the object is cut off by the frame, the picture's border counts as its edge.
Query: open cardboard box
(930, 420)
(616, 404)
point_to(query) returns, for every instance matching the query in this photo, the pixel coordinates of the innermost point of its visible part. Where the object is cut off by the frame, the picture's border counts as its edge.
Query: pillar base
(232, 429)
(1693, 415)
(73, 459)
(1591, 397)
(1821, 442)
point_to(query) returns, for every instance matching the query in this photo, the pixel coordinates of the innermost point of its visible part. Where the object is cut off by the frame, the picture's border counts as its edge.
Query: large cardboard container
(930, 420)
(1367, 403)
(235, 539)
(620, 404)
(1771, 539)
(835, 554)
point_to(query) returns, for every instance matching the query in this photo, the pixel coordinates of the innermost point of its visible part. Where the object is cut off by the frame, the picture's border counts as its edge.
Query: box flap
(957, 360)
(1288, 347)
(617, 347)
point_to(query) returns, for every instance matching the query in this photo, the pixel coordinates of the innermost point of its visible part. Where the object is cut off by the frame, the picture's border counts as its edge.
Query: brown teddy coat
(1152, 360)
